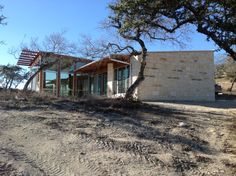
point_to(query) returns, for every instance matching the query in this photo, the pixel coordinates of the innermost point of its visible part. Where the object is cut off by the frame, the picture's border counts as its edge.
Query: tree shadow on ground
(125, 113)
(224, 101)
(128, 116)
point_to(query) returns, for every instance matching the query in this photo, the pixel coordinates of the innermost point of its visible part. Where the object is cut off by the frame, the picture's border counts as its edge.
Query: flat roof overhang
(95, 66)
(30, 59)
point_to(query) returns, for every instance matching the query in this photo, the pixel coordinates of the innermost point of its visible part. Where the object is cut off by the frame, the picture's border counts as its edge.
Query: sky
(31, 18)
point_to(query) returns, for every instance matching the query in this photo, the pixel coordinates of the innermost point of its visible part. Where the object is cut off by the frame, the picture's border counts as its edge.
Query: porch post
(110, 79)
(58, 78)
(74, 81)
(74, 84)
(41, 81)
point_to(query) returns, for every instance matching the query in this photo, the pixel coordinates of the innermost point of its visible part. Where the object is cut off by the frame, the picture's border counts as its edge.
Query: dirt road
(68, 138)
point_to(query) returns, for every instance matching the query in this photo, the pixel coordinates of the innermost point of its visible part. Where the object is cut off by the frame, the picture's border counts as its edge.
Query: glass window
(102, 84)
(50, 82)
(92, 91)
(121, 80)
(115, 82)
(64, 84)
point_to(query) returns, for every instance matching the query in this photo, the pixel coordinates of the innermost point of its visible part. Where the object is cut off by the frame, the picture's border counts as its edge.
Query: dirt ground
(46, 136)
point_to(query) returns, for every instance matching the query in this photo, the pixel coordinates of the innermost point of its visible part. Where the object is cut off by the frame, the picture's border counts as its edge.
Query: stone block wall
(184, 76)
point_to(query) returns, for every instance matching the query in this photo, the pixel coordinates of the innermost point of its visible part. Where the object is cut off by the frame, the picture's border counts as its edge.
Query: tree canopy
(214, 18)
(2, 17)
(131, 19)
(12, 75)
(55, 42)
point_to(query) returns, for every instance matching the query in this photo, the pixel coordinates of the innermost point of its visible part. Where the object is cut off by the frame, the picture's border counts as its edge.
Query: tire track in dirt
(137, 151)
(50, 166)
(48, 161)
(93, 166)
(20, 156)
(45, 165)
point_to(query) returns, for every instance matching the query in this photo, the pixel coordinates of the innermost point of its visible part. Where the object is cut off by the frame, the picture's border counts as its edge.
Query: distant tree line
(227, 70)
(11, 76)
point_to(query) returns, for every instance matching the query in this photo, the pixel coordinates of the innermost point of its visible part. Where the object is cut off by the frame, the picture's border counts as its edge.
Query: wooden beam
(41, 81)
(23, 62)
(75, 81)
(35, 61)
(75, 84)
(27, 56)
(28, 51)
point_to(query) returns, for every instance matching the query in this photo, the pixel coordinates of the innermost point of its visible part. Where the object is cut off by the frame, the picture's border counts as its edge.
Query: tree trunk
(130, 92)
(232, 85)
(7, 83)
(16, 86)
(11, 82)
(40, 69)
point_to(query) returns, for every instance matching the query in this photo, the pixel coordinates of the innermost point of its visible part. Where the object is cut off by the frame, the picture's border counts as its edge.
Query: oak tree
(131, 19)
(214, 18)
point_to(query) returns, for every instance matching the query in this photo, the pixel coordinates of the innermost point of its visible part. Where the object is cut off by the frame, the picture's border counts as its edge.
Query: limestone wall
(185, 75)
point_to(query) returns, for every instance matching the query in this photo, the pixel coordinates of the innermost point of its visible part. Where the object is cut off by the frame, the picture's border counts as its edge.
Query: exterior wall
(34, 84)
(185, 76)
(110, 79)
(134, 70)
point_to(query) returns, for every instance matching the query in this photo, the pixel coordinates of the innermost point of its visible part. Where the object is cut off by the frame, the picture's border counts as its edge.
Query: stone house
(172, 75)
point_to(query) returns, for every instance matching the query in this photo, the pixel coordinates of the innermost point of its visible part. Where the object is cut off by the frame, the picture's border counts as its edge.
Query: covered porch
(56, 79)
(105, 77)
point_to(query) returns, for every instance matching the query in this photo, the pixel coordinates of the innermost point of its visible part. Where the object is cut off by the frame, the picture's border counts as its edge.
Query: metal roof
(27, 57)
(120, 60)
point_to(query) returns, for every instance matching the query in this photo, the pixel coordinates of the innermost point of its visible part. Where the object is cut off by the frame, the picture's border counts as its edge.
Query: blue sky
(31, 18)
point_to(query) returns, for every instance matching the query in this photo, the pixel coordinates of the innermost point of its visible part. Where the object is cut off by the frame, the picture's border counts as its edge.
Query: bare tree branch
(120, 49)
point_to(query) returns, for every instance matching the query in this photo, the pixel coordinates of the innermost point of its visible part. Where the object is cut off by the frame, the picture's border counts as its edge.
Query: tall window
(50, 82)
(121, 80)
(102, 84)
(65, 84)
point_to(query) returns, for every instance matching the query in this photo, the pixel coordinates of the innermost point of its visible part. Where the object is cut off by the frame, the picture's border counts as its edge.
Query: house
(172, 75)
